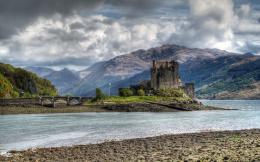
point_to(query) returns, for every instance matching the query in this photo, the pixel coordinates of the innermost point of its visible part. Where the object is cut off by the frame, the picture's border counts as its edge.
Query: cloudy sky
(78, 33)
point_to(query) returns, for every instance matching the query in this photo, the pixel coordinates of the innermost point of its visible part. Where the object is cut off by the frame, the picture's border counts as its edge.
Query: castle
(165, 74)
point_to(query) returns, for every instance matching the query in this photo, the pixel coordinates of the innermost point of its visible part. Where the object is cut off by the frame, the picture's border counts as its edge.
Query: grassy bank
(207, 146)
(138, 99)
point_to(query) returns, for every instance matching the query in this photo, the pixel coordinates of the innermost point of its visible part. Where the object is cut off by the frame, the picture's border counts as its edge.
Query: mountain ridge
(208, 68)
(128, 65)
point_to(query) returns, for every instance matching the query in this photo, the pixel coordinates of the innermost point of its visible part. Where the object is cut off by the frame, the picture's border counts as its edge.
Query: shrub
(6, 88)
(170, 92)
(99, 94)
(140, 92)
(125, 92)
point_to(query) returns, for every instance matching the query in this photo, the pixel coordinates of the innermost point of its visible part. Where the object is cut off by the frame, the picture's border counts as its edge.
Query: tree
(125, 92)
(99, 94)
(170, 92)
(140, 92)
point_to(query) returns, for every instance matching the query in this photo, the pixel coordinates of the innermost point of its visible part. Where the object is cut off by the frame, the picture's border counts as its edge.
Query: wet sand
(241, 145)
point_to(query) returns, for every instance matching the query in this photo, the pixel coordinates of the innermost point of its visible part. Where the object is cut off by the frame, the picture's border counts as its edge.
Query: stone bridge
(45, 101)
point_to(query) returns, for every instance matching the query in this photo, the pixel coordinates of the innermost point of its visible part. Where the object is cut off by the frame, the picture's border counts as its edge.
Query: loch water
(18, 132)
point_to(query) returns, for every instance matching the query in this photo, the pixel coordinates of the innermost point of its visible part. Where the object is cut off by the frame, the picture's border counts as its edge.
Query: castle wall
(189, 89)
(165, 75)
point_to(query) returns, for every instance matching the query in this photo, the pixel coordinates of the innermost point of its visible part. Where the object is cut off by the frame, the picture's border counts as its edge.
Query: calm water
(46, 130)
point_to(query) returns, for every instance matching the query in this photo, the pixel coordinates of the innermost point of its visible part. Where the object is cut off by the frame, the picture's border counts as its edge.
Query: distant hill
(41, 71)
(216, 73)
(227, 77)
(14, 80)
(63, 80)
(126, 66)
(236, 77)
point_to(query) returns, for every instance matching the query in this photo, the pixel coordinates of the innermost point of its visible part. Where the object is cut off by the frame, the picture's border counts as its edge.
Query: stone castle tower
(165, 74)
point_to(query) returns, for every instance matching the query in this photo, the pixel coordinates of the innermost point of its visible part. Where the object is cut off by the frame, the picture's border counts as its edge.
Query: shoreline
(126, 107)
(237, 145)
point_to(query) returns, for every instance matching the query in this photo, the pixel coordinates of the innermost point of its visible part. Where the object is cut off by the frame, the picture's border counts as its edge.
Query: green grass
(138, 99)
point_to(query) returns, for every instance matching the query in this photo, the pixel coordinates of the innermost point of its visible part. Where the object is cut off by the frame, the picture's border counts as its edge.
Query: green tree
(140, 92)
(99, 94)
(170, 92)
(125, 92)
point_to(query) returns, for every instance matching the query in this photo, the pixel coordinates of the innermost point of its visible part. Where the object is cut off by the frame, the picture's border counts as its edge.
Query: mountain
(126, 66)
(236, 77)
(15, 80)
(63, 80)
(41, 71)
(226, 77)
(216, 73)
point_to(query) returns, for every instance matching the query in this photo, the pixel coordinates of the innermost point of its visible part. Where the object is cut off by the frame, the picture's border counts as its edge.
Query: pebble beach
(243, 145)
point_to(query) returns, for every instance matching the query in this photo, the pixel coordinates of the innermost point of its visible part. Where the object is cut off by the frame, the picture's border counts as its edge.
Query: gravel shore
(241, 146)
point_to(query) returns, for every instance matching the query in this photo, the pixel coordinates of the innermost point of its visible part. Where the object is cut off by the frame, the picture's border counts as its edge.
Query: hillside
(63, 80)
(126, 66)
(227, 77)
(216, 73)
(240, 79)
(14, 80)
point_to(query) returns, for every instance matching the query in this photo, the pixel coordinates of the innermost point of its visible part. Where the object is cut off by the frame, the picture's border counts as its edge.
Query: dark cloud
(83, 61)
(17, 14)
(76, 25)
(143, 4)
(81, 32)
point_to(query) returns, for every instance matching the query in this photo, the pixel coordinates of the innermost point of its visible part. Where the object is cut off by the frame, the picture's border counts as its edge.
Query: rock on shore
(206, 146)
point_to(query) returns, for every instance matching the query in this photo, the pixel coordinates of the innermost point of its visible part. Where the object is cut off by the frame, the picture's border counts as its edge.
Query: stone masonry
(165, 74)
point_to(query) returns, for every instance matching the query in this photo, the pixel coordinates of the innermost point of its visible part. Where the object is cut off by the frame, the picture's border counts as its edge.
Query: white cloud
(209, 25)
(82, 39)
(99, 38)
(3, 51)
